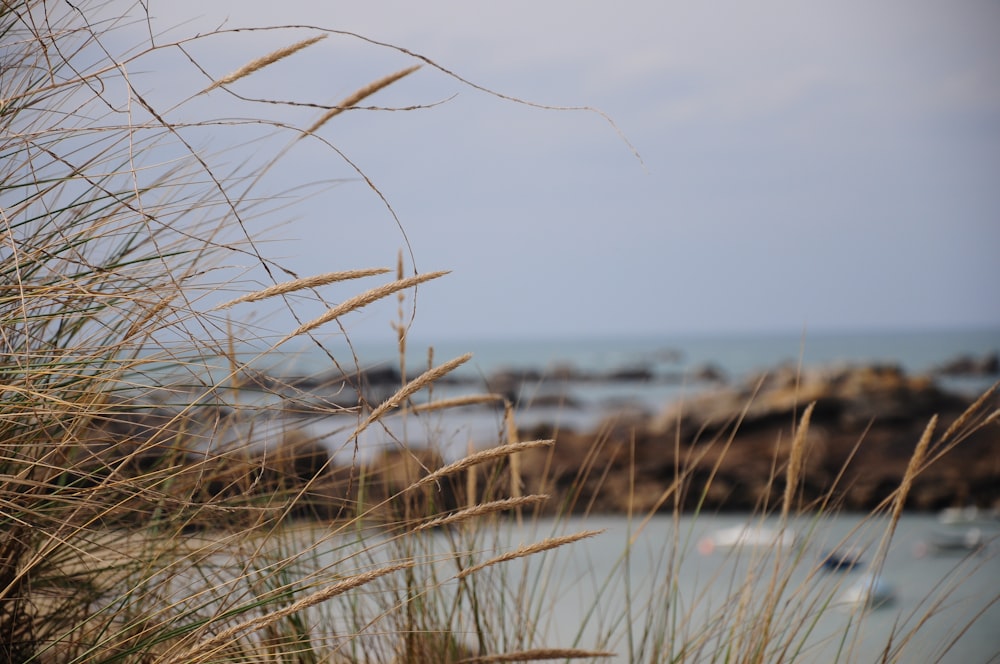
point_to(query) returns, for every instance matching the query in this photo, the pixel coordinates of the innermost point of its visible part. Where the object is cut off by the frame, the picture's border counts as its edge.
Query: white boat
(956, 541)
(869, 591)
(969, 515)
(746, 536)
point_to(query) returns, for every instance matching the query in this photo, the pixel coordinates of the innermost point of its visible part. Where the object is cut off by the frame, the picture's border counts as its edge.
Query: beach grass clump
(163, 500)
(150, 482)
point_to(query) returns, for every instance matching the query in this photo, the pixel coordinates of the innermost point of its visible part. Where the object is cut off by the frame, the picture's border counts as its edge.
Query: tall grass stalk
(159, 502)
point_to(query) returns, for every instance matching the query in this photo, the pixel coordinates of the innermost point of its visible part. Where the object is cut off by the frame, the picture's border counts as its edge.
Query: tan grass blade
(456, 402)
(480, 457)
(912, 469)
(301, 284)
(969, 412)
(262, 62)
(530, 550)
(795, 461)
(401, 324)
(899, 496)
(481, 510)
(210, 647)
(362, 300)
(471, 483)
(357, 96)
(538, 655)
(516, 484)
(423, 380)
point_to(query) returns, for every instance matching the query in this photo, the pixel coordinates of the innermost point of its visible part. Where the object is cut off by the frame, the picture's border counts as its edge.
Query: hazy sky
(803, 165)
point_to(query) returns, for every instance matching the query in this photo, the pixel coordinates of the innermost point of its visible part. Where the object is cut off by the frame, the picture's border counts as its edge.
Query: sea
(658, 590)
(577, 382)
(639, 586)
(642, 586)
(943, 604)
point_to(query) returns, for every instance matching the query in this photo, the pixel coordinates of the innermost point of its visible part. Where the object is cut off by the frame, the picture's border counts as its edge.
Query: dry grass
(301, 284)
(360, 301)
(480, 457)
(358, 96)
(538, 655)
(794, 471)
(264, 61)
(147, 511)
(530, 550)
(212, 646)
(482, 509)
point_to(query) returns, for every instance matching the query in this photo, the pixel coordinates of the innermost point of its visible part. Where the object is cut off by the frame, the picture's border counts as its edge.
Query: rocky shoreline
(729, 442)
(722, 450)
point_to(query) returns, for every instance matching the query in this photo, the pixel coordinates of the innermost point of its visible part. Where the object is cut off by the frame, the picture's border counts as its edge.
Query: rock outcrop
(727, 448)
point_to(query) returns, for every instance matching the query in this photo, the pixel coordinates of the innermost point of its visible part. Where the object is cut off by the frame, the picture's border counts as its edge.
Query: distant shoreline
(729, 441)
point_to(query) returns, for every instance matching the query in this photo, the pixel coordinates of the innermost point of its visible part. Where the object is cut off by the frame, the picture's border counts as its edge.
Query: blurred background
(767, 167)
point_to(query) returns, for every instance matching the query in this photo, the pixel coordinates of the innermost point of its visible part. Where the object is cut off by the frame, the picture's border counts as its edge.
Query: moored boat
(956, 541)
(842, 560)
(870, 591)
(746, 536)
(969, 515)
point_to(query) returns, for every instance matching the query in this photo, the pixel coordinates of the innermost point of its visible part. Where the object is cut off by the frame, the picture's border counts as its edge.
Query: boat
(746, 536)
(842, 560)
(969, 515)
(870, 592)
(956, 541)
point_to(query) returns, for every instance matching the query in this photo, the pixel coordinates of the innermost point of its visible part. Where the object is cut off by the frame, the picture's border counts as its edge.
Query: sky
(753, 167)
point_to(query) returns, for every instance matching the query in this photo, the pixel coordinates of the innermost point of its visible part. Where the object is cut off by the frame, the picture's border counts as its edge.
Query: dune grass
(157, 503)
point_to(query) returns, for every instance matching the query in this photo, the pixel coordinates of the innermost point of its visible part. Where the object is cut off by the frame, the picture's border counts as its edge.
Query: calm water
(674, 361)
(946, 592)
(941, 593)
(944, 608)
(737, 355)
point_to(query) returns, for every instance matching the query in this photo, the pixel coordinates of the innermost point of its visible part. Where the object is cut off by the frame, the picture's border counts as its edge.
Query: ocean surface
(675, 365)
(916, 351)
(637, 586)
(944, 603)
(952, 597)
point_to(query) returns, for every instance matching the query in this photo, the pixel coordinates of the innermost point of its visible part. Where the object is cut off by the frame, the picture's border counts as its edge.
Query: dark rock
(551, 400)
(726, 449)
(565, 373)
(967, 365)
(709, 373)
(630, 374)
